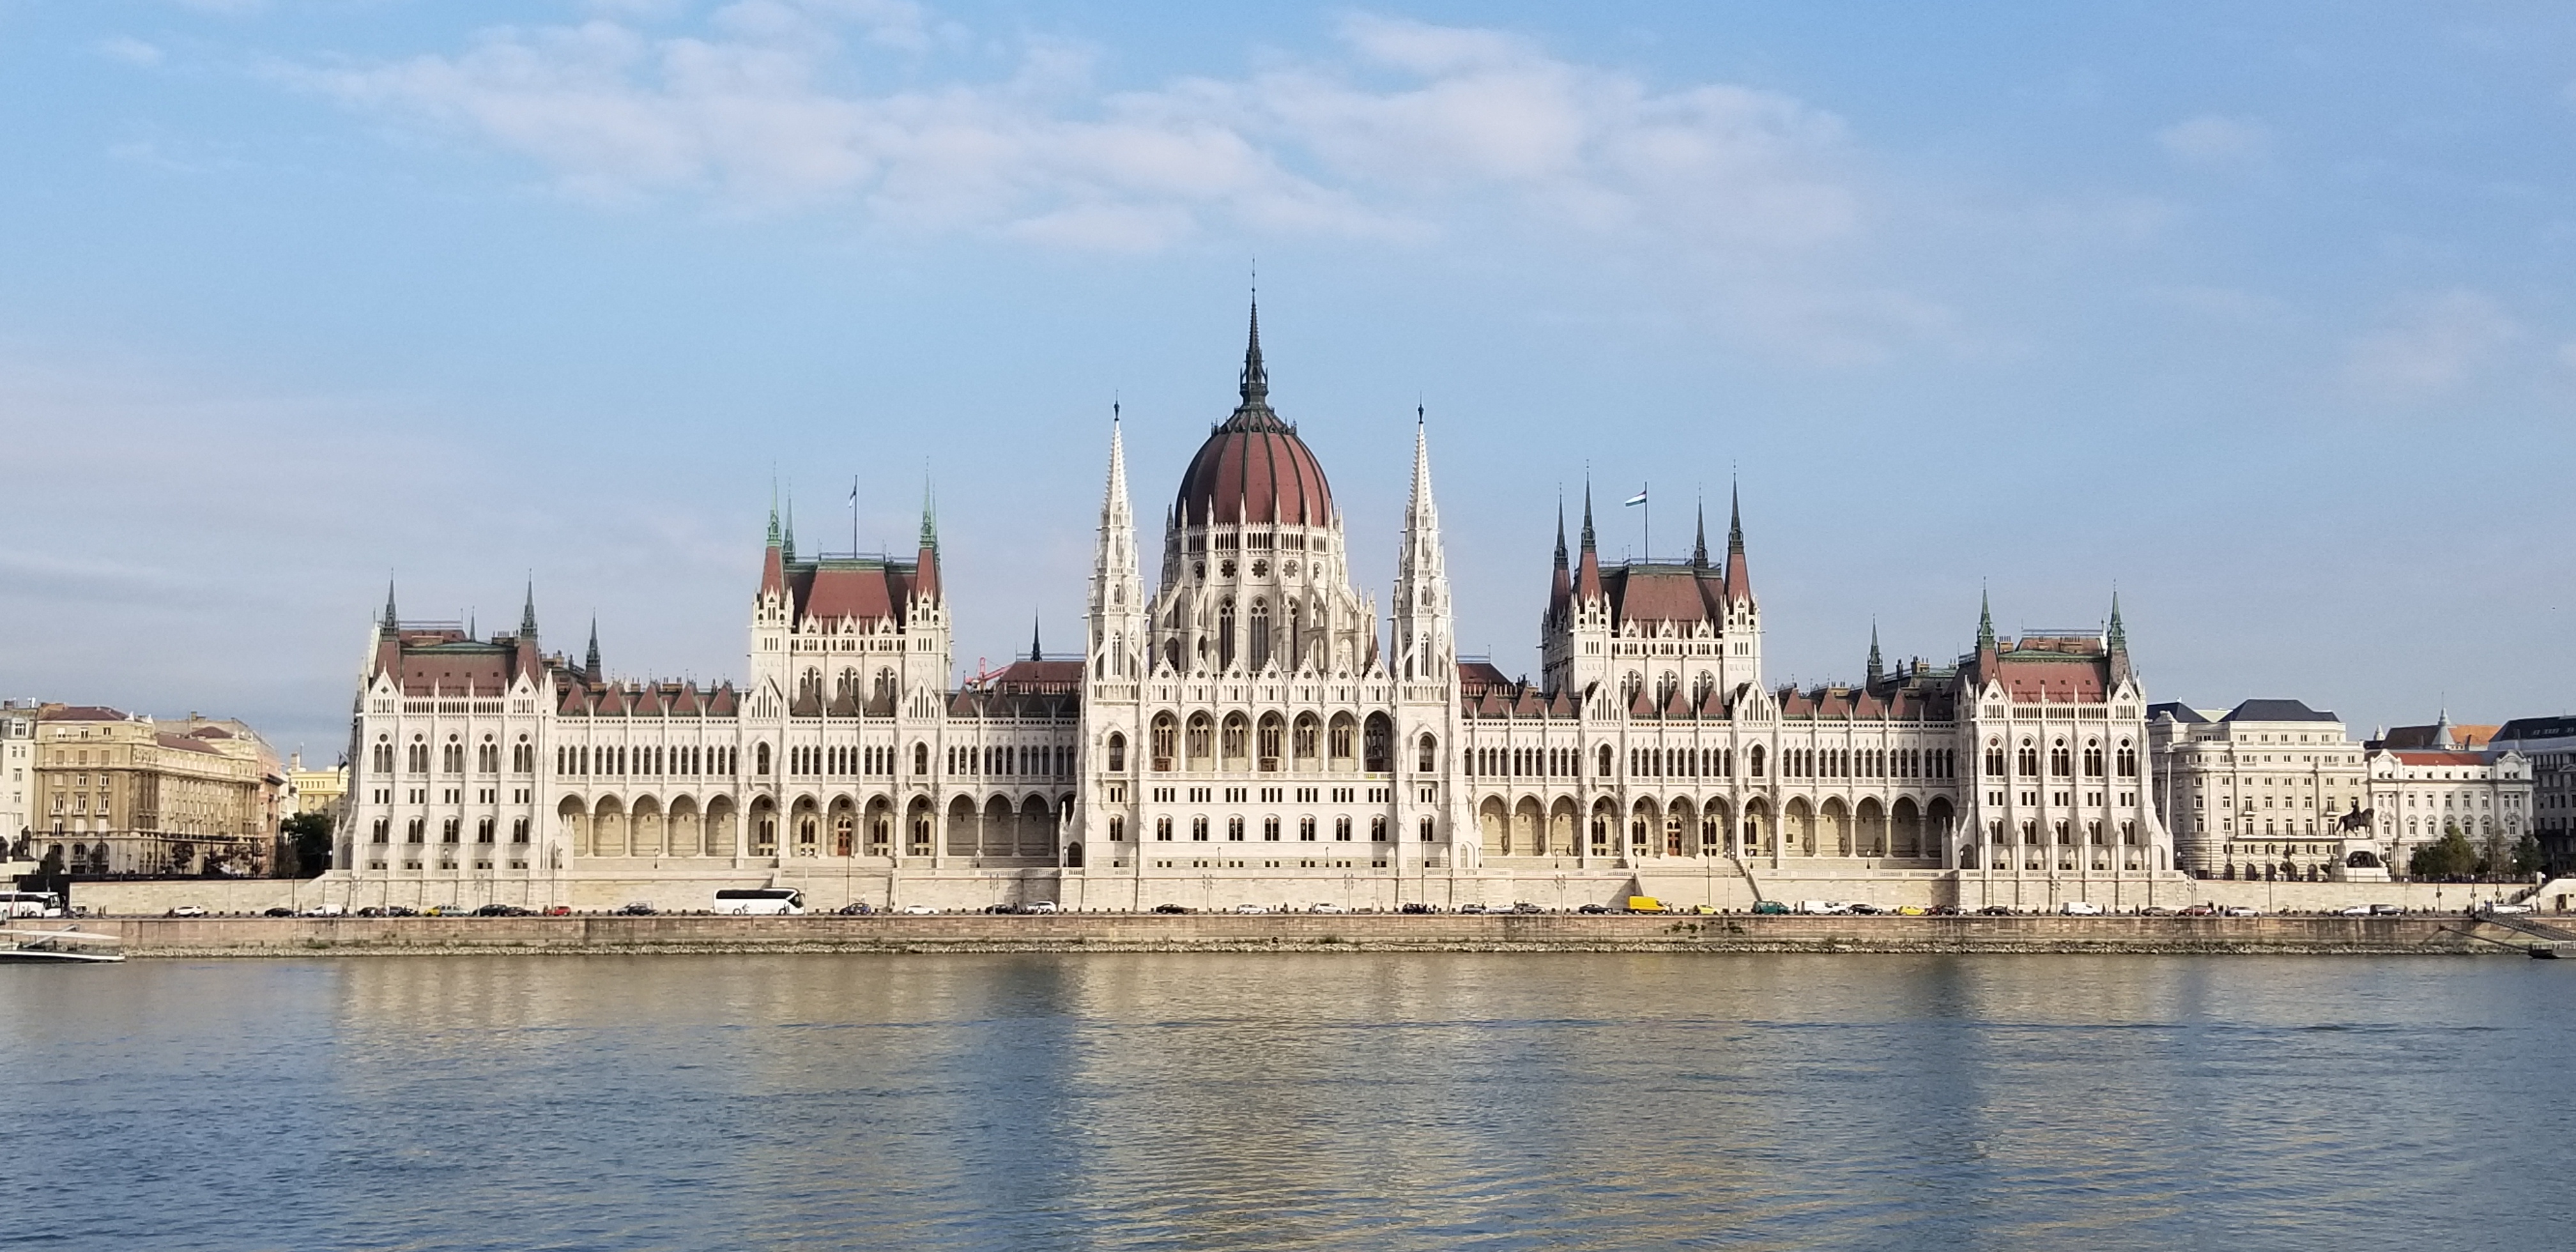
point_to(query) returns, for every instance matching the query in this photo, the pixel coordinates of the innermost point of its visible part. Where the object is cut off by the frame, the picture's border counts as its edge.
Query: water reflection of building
(1245, 729)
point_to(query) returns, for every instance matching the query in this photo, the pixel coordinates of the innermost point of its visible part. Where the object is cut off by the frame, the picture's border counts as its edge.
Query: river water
(1294, 1101)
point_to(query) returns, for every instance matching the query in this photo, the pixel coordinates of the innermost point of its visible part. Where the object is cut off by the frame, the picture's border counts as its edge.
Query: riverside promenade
(1223, 932)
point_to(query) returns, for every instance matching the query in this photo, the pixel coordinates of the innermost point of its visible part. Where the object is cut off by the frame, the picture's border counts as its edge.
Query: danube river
(1355, 1101)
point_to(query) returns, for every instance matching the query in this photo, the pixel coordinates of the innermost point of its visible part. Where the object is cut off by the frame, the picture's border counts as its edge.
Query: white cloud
(2212, 140)
(762, 107)
(131, 51)
(2436, 344)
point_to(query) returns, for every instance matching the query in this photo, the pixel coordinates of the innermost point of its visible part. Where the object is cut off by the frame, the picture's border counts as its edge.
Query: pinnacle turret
(1255, 383)
(1699, 545)
(528, 613)
(590, 662)
(390, 620)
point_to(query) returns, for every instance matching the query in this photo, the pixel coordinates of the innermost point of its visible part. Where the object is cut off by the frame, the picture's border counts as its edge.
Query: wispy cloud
(2211, 140)
(764, 107)
(2434, 345)
(130, 50)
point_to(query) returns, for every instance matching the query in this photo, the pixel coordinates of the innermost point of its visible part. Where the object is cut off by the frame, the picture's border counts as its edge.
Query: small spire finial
(1734, 517)
(1255, 383)
(390, 620)
(1985, 621)
(1587, 514)
(1560, 528)
(590, 662)
(1699, 545)
(1036, 651)
(929, 511)
(1877, 667)
(528, 612)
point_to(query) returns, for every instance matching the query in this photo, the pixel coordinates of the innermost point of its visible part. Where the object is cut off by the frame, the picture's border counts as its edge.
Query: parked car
(2159, 910)
(1823, 908)
(918, 909)
(559, 910)
(2081, 908)
(2501, 906)
(1863, 909)
(1911, 910)
(188, 910)
(504, 910)
(2201, 910)
(1171, 908)
(2240, 910)
(2387, 910)
(279, 911)
(856, 908)
(1525, 906)
(1325, 906)
(325, 910)
(2353, 910)
(636, 908)
(1995, 910)
(371, 911)
(1417, 906)
(1471, 908)
(1592, 908)
(401, 910)
(1771, 907)
(1944, 910)
(1042, 906)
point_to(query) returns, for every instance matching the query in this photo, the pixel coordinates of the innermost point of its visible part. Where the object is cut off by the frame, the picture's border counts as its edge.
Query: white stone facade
(1244, 731)
(2270, 789)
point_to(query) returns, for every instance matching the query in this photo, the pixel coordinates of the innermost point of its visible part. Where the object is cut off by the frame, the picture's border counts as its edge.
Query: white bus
(787, 900)
(30, 904)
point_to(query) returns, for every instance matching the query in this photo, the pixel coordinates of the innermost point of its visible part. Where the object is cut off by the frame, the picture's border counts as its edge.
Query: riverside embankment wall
(1111, 932)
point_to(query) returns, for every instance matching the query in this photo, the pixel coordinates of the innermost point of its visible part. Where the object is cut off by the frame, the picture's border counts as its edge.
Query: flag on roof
(1639, 498)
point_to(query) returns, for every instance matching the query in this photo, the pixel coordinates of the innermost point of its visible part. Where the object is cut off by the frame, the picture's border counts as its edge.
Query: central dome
(1253, 467)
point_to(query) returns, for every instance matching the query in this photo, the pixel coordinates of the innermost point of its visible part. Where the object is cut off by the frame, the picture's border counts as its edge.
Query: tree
(2527, 858)
(2447, 857)
(309, 836)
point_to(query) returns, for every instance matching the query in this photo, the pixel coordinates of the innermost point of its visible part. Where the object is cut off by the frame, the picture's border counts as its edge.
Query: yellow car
(1911, 910)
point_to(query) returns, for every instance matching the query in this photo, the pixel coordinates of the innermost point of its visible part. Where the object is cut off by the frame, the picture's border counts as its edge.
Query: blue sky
(2260, 314)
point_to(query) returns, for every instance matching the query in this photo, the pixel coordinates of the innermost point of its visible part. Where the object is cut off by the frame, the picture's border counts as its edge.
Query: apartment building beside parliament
(1245, 729)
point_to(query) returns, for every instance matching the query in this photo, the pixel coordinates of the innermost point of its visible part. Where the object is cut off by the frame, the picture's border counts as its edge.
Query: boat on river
(31, 946)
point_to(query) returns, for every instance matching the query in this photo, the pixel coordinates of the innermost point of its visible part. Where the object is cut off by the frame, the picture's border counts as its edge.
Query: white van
(1829, 908)
(2081, 908)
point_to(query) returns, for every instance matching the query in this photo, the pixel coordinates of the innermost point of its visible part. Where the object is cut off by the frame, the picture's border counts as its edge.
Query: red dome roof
(1254, 468)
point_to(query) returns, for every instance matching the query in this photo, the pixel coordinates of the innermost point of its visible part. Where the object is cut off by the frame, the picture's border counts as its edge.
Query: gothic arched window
(1259, 652)
(1225, 634)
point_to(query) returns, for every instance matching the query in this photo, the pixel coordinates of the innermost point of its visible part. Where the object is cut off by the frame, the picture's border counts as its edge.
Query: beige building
(121, 793)
(2421, 793)
(315, 790)
(17, 781)
(2270, 789)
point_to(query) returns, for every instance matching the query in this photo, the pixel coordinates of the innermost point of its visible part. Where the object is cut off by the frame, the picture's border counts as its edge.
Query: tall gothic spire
(390, 619)
(2117, 638)
(1699, 545)
(1587, 515)
(1560, 531)
(1877, 667)
(929, 514)
(1985, 623)
(789, 547)
(528, 613)
(1036, 650)
(1255, 384)
(590, 662)
(1734, 518)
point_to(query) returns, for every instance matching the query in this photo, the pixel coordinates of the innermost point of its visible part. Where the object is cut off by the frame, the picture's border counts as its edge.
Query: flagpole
(854, 517)
(1647, 493)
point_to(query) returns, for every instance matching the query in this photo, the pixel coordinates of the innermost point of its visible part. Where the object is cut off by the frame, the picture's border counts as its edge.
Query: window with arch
(1701, 687)
(760, 759)
(2092, 758)
(1235, 743)
(1117, 753)
(1200, 740)
(1377, 743)
(1225, 633)
(1342, 738)
(1163, 741)
(2026, 761)
(921, 758)
(381, 760)
(2127, 760)
(1304, 738)
(1753, 761)
(1259, 650)
(1270, 741)
(1427, 753)
(1995, 757)
(1665, 686)
(2061, 761)
(416, 757)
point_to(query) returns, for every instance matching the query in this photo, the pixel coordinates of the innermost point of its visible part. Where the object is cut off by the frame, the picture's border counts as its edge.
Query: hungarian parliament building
(1245, 730)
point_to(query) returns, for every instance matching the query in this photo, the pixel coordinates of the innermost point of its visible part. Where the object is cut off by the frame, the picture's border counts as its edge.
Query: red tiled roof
(183, 743)
(82, 713)
(2441, 758)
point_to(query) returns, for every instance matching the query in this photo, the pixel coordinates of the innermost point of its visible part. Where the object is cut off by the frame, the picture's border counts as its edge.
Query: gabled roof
(2181, 712)
(2440, 758)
